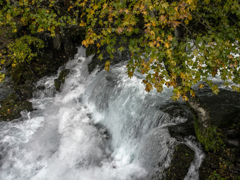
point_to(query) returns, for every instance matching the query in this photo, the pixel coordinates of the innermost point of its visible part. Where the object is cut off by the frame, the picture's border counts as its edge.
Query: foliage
(208, 47)
(28, 17)
(2, 76)
(20, 50)
(210, 137)
(215, 176)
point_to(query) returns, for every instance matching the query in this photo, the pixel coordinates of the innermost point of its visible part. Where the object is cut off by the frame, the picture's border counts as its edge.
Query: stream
(100, 126)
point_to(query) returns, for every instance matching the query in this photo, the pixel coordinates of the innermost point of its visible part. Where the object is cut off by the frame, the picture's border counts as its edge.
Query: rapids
(101, 126)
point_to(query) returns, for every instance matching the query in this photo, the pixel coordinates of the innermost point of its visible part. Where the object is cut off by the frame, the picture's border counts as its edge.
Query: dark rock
(179, 109)
(224, 107)
(208, 164)
(232, 133)
(181, 160)
(233, 142)
(232, 158)
(214, 166)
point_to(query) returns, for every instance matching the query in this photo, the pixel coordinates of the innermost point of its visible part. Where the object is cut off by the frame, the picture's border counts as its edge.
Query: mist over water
(102, 126)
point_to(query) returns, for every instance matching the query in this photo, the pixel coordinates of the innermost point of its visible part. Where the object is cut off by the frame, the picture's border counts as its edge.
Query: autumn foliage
(208, 45)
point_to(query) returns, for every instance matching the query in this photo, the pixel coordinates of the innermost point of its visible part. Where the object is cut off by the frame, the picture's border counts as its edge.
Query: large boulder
(224, 107)
(179, 110)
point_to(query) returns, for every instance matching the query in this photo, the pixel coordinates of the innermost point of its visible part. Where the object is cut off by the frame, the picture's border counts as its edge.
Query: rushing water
(101, 126)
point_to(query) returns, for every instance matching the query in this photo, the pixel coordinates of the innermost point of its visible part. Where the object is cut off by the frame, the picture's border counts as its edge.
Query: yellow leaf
(95, 7)
(147, 25)
(148, 87)
(184, 98)
(13, 65)
(107, 65)
(182, 75)
(82, 23)
(201, 86)
(98, 45)
(85, 43)
(105, 6)
(119, 30)
(189, 1)
(186, 21)
(170, 38)
(167, 44)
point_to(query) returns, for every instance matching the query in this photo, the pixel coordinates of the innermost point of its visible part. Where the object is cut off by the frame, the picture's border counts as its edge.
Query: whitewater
(100, 126)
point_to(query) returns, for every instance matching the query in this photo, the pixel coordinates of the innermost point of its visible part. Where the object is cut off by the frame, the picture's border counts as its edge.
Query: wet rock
(57, 84)
(181, 160)
(61, 79)
(12, 106)
(224, 107)
(233, 142)
(179, 109)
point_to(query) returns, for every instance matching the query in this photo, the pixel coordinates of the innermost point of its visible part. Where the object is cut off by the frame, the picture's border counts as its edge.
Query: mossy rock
(212, 138)
(61, 79)
(181, 160)
(63, 74)
(57, 84)
(11, 107)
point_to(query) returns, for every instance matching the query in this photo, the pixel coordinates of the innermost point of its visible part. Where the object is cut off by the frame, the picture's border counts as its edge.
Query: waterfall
(101, 126)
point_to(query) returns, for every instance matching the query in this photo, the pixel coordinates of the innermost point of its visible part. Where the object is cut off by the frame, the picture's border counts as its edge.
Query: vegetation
(212, 139)
(174, 43)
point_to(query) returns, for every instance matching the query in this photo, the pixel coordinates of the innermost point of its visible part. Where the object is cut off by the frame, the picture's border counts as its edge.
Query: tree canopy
(187, 39)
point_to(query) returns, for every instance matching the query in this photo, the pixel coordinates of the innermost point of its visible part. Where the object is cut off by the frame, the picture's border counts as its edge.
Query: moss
(211, 137)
